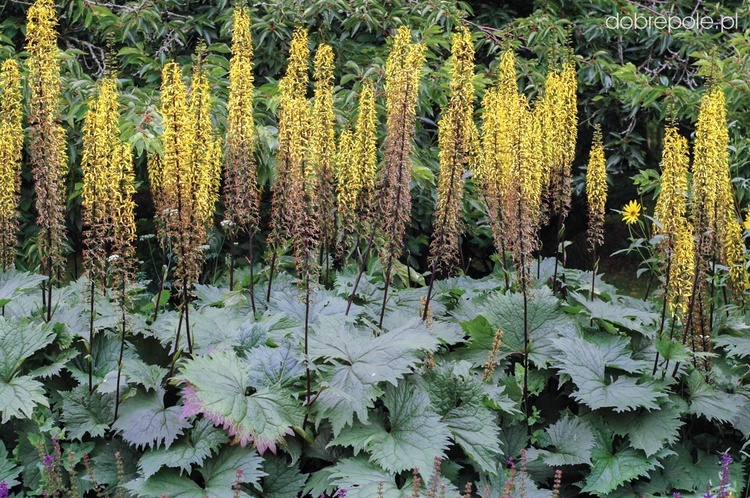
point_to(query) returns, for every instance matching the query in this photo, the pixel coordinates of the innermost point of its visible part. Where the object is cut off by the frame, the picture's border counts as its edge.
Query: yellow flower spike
(241, 191)
(456, 139)
(349, 181)
(671, 205)
(746, 225)
(733, 251)
(403, 71)
(11, 145)
(101, 137)
(559, 118)
(596, 189)
(365, 142)
(206, 158)
(631, 212)
(47, 141)
(682, 267)
(319, 181)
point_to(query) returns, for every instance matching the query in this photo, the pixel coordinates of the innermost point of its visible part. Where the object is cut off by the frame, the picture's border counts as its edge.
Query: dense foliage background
(387, 399)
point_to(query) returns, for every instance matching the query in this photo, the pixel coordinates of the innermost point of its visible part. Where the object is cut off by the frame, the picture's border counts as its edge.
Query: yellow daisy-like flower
(747, 221)
(631, 212)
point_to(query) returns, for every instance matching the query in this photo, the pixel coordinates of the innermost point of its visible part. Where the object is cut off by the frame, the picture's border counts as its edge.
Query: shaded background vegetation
(630, 82)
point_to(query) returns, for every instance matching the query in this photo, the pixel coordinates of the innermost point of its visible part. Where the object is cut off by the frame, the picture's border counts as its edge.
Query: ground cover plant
(342, 286)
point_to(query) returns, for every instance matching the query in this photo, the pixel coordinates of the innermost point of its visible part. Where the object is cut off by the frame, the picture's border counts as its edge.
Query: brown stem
(231, 261)
(252, 271)
(176, 344)
(385, 291)
(186, 306)
(362, 268)
(593, 277)
(122, 350)
(307, 333)
(270, 276)
(91, 339)
(165, 270)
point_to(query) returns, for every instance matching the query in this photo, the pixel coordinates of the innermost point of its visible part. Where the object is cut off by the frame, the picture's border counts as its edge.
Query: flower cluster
(186, 177)
(11, 145)
(403, 71)
(47, 143)
(108, 186)
(596, 190)
(241, 192)
(458, 142)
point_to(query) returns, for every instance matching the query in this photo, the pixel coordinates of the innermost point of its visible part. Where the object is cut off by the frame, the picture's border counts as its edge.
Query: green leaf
(283, 480)
(573, 440)
(614, 468)
(546, 322)
(219, 474)
(191, 449)
(359, 362)
(85, 412)
(623, 312)
(148, 376)
(585, 362)
(738, 347)
(166, 481)
(19, 397)
(143, 420)
(15, 283)
(649, 430)
(458, 397)
(216, 388)
(415, 437)
(273, 367)
(19, 339)
(362, 478)
(711, 403)
(9, 471)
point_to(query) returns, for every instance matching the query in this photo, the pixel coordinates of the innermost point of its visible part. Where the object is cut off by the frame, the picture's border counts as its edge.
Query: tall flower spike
(241, 192)
(11, 145)
(101, 137)
(711, 160)
(403, 71)
(671, 205)
(596, 189)
(47, 147)
(365, 144)
(322, 151)
(682, 266)
(501, 137)
(717, 223)
(457, 139)
(560, 129)
(292, 219)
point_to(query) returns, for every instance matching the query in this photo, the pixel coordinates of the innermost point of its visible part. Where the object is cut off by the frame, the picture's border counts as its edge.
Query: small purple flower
(676, 494)
(49, 460)
(4, 491)
(723, 492)
(341, 493)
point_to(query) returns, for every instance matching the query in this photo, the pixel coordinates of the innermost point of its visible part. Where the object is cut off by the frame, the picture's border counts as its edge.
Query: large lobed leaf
(219, 475)
(458, 397)
(612, 468)
(586, 363)
(144, 420)
(187, 451)
(414, 437)
(359, 362)
(216, 388)
(572, 439)
(545, 322)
